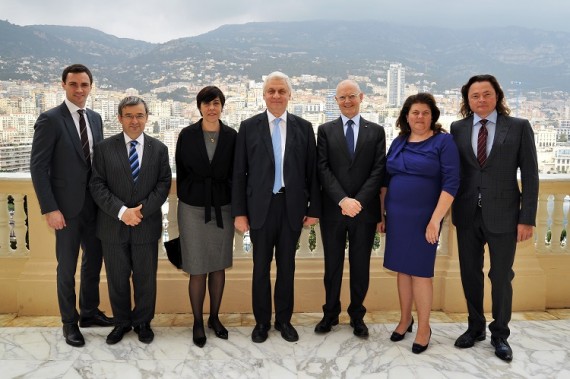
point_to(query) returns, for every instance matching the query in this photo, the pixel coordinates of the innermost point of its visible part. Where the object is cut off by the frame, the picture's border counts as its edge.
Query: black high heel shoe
(198, 335)
(417, 348)
(219, 330)
(398, 337)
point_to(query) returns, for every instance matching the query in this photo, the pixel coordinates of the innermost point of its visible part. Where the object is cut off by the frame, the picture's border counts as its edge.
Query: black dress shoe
(97, 319)
(287, 330)
(326, 324)
(117, 334)
(502, 348)
(198, 335)
(146, 335)
(219, 330)
(72, 335)
(259, 333)
(417, 348)
(360, 328)
(469, 338)
(398, 337)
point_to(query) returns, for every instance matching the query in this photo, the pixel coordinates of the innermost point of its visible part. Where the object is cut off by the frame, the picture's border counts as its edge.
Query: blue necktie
(134, 160)
(350, 138)
(276, 140)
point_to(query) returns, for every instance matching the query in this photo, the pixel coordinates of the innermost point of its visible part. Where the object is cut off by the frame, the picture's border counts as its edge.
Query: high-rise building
(396, 83)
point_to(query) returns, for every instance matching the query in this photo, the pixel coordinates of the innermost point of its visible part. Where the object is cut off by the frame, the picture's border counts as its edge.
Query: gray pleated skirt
(205, 247)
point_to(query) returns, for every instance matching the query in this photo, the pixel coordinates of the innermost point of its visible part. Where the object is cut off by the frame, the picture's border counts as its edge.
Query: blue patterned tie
(134, 160)
(276, 140)
(350, 138)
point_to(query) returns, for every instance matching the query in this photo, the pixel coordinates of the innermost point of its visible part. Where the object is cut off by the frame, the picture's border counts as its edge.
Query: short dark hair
(130, 101)
(419, 98)
(208, 94)
(501, 106)
(75, 69)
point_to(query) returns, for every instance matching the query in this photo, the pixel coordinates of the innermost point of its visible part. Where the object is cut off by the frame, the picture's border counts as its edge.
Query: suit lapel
(263, 130)
(501, 130)
(363, 134)
(467, 128)
(339, 138)
(292, 130)
(96, 130)
(199, 137)
(148, 157)
(122, 154)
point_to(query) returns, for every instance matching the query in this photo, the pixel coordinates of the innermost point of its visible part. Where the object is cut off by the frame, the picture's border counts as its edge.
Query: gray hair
(130, 101)
(278, 75)
(348, 81)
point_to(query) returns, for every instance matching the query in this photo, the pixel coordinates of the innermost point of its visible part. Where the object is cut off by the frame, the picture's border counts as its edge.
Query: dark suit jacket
(200, 182)
(60, 173)
(359, 178)
(112, 186)
(504, 206)
(254, 171)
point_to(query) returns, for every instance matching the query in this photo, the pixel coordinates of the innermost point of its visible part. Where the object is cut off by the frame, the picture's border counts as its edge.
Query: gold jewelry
(212, 136)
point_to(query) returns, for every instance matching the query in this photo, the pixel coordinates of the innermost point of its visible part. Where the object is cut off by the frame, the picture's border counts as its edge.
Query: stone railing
(28, 265)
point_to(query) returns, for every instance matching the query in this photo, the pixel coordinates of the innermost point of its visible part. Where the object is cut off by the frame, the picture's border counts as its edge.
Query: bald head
(348, 97)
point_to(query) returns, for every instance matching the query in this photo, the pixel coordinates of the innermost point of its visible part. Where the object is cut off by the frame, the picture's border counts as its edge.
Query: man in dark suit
(489, 207)
(130, 182)
(351, 157)
(60, 166)
(275, 192)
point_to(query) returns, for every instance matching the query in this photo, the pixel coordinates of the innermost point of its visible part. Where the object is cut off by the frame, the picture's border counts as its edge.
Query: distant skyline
(161, 21)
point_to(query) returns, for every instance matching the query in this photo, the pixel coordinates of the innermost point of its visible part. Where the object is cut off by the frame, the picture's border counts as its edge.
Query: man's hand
(350, 207)
(133, 216)
(55, 220)
(308, 221)
(241, 224)
(524, 232)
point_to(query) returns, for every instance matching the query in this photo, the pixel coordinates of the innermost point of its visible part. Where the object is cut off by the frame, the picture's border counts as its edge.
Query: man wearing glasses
(351, 154)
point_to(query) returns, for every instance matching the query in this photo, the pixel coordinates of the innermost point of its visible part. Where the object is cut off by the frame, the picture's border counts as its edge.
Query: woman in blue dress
(421, 182)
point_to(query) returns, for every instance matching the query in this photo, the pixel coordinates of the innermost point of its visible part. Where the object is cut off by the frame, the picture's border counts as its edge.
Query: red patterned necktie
(482, 143)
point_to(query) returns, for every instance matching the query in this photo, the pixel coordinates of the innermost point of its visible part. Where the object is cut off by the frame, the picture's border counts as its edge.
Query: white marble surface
(541, 350)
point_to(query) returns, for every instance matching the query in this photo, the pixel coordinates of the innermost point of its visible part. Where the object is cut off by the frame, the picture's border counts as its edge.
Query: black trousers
(140, 261)
(502, 246)
(276, 234)
(79, 232)
(360, 241)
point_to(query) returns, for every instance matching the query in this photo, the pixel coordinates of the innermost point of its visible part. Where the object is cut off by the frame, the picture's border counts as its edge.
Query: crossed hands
(133, 216)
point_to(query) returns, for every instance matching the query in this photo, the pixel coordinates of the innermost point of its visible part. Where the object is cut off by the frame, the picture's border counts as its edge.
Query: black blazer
(200, 182)
(359, 178)
(504, 206)
(60, 173)
(254, 171)
(112, 186)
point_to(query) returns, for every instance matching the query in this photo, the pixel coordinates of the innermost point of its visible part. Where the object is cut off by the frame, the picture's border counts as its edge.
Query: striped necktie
(482, 143)
(134, 160)
(84, 138)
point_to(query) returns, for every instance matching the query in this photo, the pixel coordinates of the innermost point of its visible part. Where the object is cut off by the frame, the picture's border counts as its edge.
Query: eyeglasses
(349, 97)
(130, 117)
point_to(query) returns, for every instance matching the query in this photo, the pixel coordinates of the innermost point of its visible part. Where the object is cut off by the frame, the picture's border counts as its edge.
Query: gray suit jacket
(504, 204)
(112, 186)
(359, 178)
(60, 173)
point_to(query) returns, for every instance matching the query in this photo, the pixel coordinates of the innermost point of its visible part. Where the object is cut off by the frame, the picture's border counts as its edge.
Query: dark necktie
(84, 138)
(482, 143)
(350, 138)
(134, 160)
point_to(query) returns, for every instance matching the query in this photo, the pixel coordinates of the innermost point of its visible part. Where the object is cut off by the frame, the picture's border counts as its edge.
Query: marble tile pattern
(33, 347)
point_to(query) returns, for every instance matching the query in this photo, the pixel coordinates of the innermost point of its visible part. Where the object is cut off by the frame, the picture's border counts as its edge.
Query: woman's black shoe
(417, 348)
(219, 330)
(198, 335)
(398, 337)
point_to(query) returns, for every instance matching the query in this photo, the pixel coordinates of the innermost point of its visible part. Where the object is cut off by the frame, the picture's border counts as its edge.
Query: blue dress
(417, 172)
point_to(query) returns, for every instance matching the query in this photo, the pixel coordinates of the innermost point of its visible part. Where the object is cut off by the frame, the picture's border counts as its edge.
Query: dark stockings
(197, 292)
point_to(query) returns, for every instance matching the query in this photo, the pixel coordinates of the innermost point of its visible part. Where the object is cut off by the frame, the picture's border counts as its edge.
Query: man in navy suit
(489, 207)
(130, 182)
(60, 166)
(275, 192)
(351, 157)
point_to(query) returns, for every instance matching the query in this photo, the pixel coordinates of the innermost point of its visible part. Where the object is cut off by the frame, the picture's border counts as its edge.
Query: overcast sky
(161, 21)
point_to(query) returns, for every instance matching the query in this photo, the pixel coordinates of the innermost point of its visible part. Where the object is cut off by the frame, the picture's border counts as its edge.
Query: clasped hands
(350, 207)
(132, 216)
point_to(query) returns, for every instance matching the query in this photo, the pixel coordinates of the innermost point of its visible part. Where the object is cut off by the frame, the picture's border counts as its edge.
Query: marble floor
(33, 347)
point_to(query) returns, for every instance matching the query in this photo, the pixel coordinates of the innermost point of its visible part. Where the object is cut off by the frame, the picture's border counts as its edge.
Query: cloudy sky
(161, 21)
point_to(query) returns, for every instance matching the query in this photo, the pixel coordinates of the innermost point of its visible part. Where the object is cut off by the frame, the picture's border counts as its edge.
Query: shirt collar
(72, 107)
(492, 117)
(345, 119)
(270, 117)
(128, 139)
